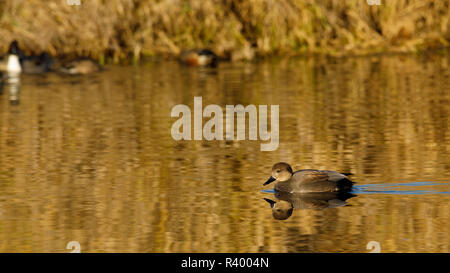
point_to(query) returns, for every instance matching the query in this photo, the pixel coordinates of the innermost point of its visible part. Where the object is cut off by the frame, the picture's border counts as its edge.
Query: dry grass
(240, 29)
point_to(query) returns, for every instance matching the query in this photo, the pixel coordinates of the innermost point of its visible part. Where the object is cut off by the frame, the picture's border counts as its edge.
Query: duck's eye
(278, 171)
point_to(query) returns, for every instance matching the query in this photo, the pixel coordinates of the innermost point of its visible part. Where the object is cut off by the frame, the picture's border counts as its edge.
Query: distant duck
(41, 63)
(80, 66)
(199, 57)
(17, 61)
(11, 62)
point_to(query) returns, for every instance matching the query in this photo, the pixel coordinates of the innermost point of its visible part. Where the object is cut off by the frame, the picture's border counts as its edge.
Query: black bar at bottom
(224, 262)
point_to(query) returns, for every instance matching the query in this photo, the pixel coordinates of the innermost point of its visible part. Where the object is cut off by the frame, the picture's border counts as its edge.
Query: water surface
(91, 159)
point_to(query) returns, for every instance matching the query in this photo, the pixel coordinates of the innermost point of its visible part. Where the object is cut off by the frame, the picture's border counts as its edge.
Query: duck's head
(280, 172)
(281, 210)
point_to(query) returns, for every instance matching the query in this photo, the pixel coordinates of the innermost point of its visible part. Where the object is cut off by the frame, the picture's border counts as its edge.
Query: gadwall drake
(199, 57)
(307, 181)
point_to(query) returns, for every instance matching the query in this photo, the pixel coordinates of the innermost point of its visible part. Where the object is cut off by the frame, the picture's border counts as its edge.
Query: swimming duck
(307, 181)
(287, 202)
(80, 66)
(199, 57)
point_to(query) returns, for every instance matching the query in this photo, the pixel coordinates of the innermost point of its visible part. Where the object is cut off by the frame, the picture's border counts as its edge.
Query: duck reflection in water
(308, 180)
(10, 70)
(10, 82)
(282, 208)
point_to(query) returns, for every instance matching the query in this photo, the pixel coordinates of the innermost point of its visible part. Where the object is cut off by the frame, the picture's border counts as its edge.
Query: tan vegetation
(238, 29)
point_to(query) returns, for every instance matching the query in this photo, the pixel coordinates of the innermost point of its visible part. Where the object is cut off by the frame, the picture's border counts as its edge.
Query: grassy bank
(239, 29)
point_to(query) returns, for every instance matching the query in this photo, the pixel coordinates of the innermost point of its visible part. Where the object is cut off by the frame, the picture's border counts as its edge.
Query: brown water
(91, 159)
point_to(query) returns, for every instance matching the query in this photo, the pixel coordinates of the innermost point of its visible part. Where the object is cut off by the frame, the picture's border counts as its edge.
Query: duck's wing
(317, 176)
(310, 176)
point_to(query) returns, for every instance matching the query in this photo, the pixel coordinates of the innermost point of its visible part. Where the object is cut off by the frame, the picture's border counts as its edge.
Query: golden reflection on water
(92, 159)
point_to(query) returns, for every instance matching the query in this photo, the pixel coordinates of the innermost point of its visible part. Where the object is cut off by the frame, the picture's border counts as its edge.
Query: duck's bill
(270, 180)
